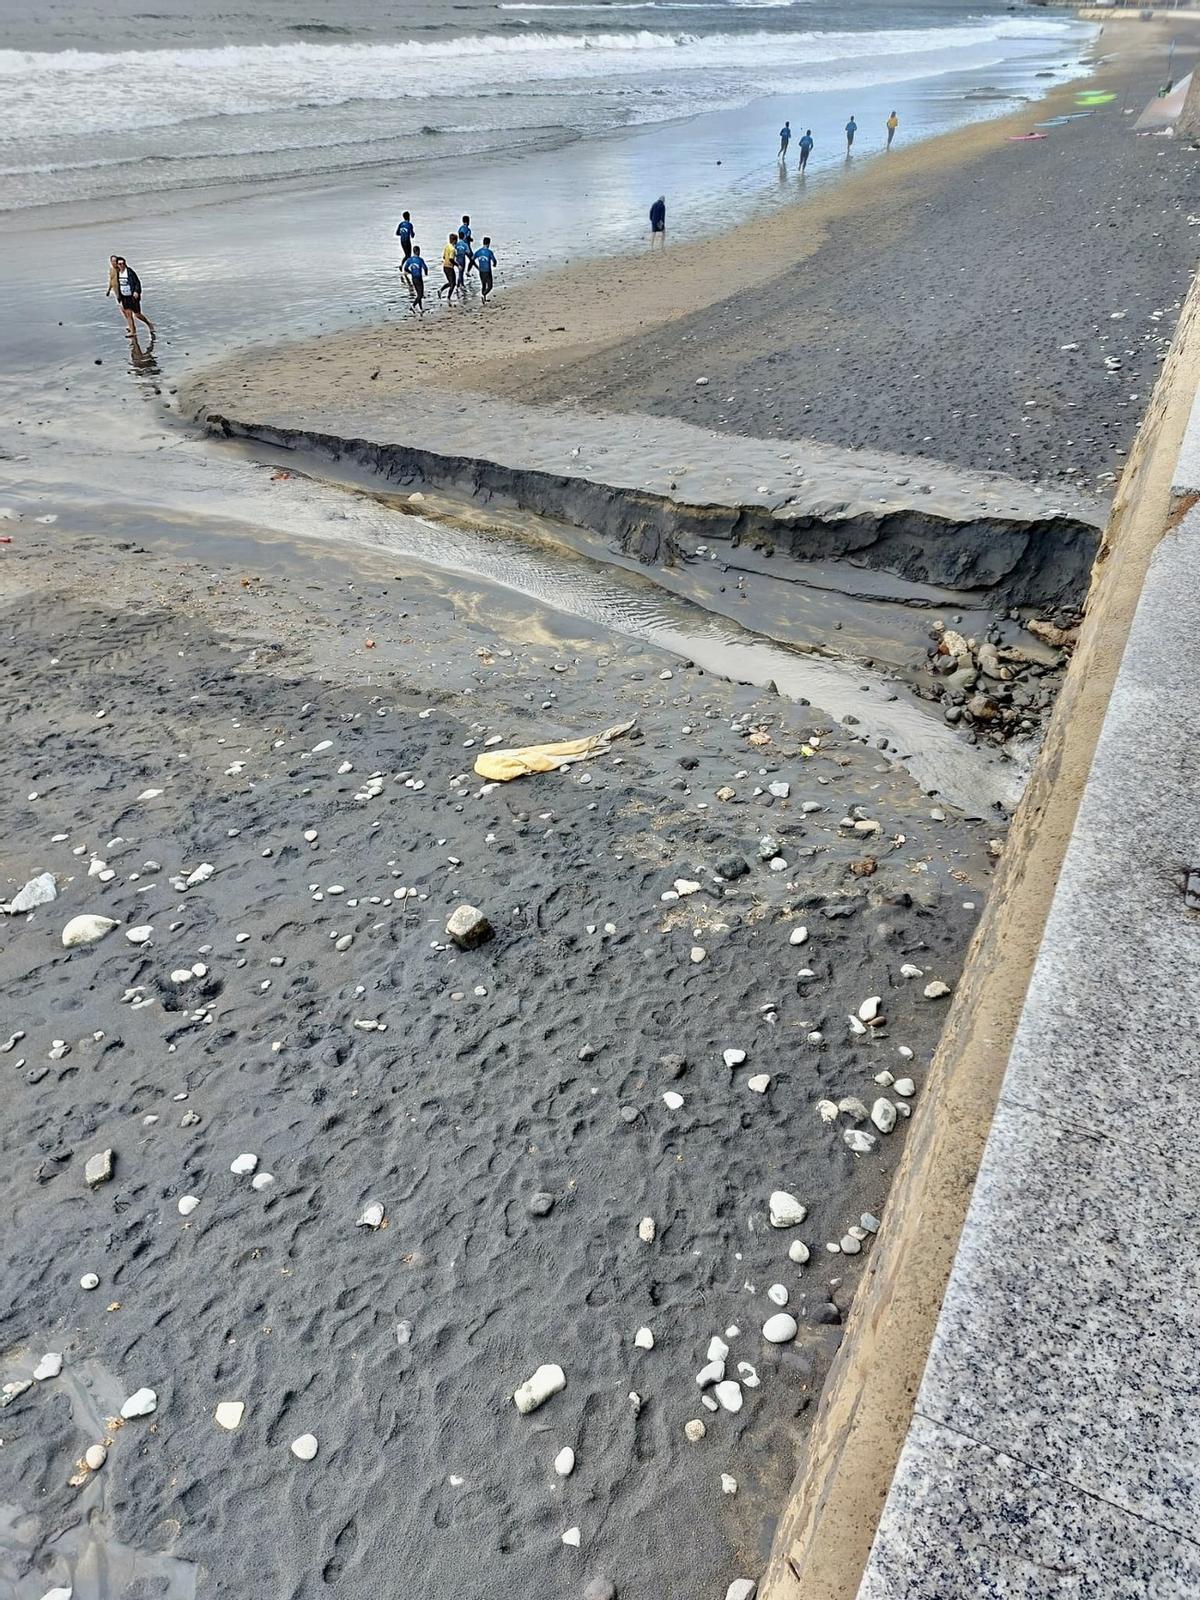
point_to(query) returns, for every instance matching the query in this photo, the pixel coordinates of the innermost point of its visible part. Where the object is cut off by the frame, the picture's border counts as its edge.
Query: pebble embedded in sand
(717, 1349)
(729, 1394)
(262, 1180)
(694, 1430)
(777, 1294)
(38, 891)
(712, 1373)
(644, 1339)
(571, 1537)
(535, 1391)
(139, 935)
(937, 990)
(86, 930)
(140, 1404)
(89, 1281)
(798, 1252)
(785, 1210)
(781, 1328)
(200, 874)
(305, 1447)
(372, 1216)
(241, 1165)
(698, 953)
(468, 927)
(869, 1010)
(860, 1142)
(905, 1087)
(647, 1230)
(728, 1484)
(564, 1462)
(48, 1367)
(229, 1414)
(99, 1169)
(741, 1589)
(672, 1100)
(759, 1083)
(95, 1455)
(883, 1115)
(58, 1594)
(798, 936)
(733, 1058)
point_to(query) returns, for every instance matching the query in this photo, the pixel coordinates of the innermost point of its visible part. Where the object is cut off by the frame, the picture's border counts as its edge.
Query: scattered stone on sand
(12, 1391)
(647, 1230)
(883, 1115)
(869, 1010)
(262, 1180)
(905, 1087)
(187, 1204)
(229, 1414)
(140, 1404)
(785, 1210)
(741, 1589)
(909, 971)
(827, 1111)
(140, 934)
(468, 927)
(759, 1083)
(798, 936)
(600, 1589)
(851, 1106)
(673, 1100)
(729, 1394)
(95, 1456)
(733, 1058)
(200, 874)
(849, 1245)
(404, 1333)
(729, 1484)
(541, 1204)
(713, 1372)
(58, 1594)
(717, 1349)
(535, 1391)
(869, 1223)
(564, 1462)
(694, 1430)
(86, 929)
(644, 1339)
(571, 1537)
(305, 1447)
(48, 1367)
(241, 1165)
(777, 1294)
(798, 1252)
(38, 891)
(99, 1168)
(698, 953)
(859, 1141)
(937, 990)
(372, 1216)
(781, 1328)
(89, 1281)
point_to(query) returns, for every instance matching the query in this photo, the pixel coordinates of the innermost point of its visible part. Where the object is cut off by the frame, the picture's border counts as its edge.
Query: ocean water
(107, 100)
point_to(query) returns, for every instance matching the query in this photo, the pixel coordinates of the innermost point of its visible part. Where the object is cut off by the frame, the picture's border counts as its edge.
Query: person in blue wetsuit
(806, 145)
(851, 130)
(415, 270)
(464, 233)
(658, 222)
(785, 138)
(485, 264)
(462, 260)
(405, 233)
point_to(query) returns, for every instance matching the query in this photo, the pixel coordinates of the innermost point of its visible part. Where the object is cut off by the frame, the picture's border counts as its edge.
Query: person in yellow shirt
(449, 267)
(893, 122)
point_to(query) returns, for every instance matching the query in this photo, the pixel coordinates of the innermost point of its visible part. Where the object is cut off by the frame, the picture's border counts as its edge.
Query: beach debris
(305, 1447)
(535, 1391)
(694, 1430)
(98, 1169)
(785, 1210)
(501, 766)
(140, 1404)
(564, 1462)
(95, 1456)
(86, 929)
(38, 891)
(468, 927)
(372, 1216)
(241, 1165)
(89, 1281)
(229, 1414)
(48, 1367)
(781, 1328)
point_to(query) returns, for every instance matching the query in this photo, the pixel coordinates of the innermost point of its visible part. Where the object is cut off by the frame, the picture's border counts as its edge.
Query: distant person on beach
(658, 222)
(785, 138)
(124, 282)
(806, 145)
(405, 234)
(484, 263)
(893, 122)
(851, 130)
(464, 233)
(449, 267)
(415, 271)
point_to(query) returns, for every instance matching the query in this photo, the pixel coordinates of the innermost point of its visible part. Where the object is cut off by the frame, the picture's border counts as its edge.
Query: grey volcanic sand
(932, 324)
(452, 1118)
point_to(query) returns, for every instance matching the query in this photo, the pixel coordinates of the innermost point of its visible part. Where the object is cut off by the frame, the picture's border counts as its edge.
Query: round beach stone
(785, 1210)
(95, 1456)
(305, 1447)
(781, 1328)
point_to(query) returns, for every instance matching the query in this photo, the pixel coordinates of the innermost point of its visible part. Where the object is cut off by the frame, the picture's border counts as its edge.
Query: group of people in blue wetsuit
(805, 145)
(459, 258)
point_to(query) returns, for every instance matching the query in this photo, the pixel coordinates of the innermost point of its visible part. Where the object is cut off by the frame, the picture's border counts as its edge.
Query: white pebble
(188, 1204)
(729, 1394)
(48, 1367)
(777, 1294)
(734, 1058)
(759, 1083)
(305, 1447)
(785, 1210)
(89, 1281)
(535, 1391)
(229, 1413)
(781, 1328)
(243, 1164)
(140, 1404)
(95, 1455)
(644, 1339)
(564, 1462)
(672, 1101)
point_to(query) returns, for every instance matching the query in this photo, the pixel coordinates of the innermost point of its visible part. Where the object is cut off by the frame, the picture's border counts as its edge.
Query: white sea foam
(77, 93)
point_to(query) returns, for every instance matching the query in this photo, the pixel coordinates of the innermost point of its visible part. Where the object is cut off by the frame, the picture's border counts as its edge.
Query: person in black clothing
(658, 222)
(124, 282)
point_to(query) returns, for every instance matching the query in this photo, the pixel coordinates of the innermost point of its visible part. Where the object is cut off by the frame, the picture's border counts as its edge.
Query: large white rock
(95, 1455)
(468, 927)
(535, 1391)
(86, 929)
(741, 1589)
(140, 1404)
(729, 1393)
(229, 1413)
(372, 1216)
(38, 891)
(785, 1210)
(883, 1115)
(782, 1328)
(48, 1367)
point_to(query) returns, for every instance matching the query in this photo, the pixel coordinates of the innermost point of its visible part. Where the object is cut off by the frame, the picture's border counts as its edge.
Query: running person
(405, 235)
(462, 262)
(785, 138)
(893, 122)
(464, 233)
(485, 264)
(415, 271)
(658, 222)
(449, 267)
(806, 145)
(127, 286)
(851, 130)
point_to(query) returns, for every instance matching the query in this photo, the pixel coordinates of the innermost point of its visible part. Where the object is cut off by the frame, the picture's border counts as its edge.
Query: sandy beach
(274, 1141)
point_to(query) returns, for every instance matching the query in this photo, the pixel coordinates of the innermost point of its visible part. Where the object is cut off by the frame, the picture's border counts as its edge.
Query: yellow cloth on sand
(501, 766)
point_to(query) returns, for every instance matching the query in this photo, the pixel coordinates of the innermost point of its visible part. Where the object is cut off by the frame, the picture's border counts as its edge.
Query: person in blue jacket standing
(851, 130)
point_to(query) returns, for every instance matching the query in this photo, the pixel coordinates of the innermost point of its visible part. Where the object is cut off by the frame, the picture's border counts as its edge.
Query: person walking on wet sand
(449, 267)
(893, 122)
(785, 138)
(484, 263)
(124, 282)
(806, 145)
(415, 270)
(658, 222)
(851, 130)
(405, 233)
